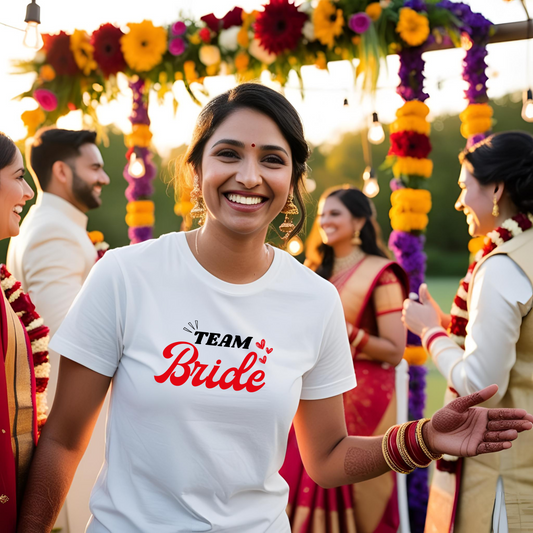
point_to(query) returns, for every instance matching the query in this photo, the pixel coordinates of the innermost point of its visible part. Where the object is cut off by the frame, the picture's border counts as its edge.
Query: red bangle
(353, 334)
(413, 448)
(433, 338)
(363, 342)
(394, 452)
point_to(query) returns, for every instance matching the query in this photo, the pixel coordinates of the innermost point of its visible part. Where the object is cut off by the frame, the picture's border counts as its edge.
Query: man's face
(88, 177)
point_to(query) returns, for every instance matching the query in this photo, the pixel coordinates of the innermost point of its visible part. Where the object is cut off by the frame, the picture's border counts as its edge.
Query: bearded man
(52, 256)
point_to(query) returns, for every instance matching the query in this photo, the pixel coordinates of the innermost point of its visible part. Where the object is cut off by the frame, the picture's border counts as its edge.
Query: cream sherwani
(51, 257)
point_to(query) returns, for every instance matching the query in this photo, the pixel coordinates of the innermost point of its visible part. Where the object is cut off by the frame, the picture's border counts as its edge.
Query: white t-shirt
(207, 377)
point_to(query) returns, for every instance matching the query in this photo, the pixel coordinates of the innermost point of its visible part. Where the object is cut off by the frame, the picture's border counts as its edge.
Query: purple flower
(139, 113)
(178, 28)
(396, 184)
(360, 22)
(177, 46)
(412, 74)
(474, 139)
(417, 5)
(140, 234)
(408, 250)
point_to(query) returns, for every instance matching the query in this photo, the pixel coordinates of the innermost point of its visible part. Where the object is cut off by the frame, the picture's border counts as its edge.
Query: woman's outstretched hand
(464, 430)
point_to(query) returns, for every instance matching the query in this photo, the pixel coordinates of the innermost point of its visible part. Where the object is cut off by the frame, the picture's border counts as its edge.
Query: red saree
(18, 421)
(372, 287)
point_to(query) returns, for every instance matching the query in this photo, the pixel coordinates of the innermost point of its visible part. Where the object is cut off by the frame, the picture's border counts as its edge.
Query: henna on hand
(490, 447)
(360, 462)
(506, 414)
(502, 425)
(500, 436)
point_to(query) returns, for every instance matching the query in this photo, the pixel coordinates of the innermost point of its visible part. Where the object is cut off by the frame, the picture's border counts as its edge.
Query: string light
(295, 246)
(376, 135)
(32, 35)
(136, 167)
(310, 185)
(527, 108)
(370, 186)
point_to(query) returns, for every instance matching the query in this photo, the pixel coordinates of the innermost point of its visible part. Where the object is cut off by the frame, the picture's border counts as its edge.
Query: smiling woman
(18, 416)
(197, 429)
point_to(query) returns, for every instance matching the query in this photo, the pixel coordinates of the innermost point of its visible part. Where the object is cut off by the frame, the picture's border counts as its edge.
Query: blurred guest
(488, 337)
(53, 255)
(18, 414)
(345, 248)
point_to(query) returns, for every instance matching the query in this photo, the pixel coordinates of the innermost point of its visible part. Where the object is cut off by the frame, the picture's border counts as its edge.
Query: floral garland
(459, 314)
(101, 247)
(38, 334)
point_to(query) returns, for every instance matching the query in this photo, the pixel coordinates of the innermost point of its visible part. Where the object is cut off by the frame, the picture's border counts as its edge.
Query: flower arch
(79, 71)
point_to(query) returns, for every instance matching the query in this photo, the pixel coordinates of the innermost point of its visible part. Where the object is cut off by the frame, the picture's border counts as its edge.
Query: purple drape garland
(140, 188)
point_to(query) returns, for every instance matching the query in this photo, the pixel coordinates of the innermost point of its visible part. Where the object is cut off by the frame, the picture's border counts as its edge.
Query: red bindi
(253, 145)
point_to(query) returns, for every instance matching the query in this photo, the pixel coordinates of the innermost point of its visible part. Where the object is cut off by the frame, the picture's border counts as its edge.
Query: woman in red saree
(345, 248)
(18, 420)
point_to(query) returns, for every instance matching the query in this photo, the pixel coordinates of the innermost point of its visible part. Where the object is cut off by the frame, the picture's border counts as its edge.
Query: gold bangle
(388, 459)
(402, 448)
(422, 442)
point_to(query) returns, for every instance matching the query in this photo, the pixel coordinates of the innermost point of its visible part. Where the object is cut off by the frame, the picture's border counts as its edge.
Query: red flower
(205, 35)
(279, 26)
(232, 18)
(59, 54)
(409, 144)
(107, 51)
(213, 22)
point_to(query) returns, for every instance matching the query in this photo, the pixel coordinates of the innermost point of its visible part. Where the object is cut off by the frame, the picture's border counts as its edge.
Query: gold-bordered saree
(18, 421)
(372, 287)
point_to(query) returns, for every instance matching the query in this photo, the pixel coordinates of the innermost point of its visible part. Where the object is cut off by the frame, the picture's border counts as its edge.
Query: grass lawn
(443, 291)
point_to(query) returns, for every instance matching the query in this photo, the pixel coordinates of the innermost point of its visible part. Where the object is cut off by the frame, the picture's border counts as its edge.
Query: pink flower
(46, 99)
(178, 28)
(360, 22)
(177, 46)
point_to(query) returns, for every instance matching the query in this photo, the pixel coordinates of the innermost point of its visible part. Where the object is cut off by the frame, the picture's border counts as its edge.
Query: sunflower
(328, 22)
(412, 27)
(83, 51)
(143, 47)
(279, 26)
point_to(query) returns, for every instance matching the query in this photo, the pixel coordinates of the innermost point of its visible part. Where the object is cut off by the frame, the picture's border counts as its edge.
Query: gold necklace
(341, 264)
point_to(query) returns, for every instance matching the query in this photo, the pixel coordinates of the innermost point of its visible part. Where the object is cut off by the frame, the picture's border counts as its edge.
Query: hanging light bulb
(376, 135)
(295, 246)
(527, 108)
(368, 173)
(32, 35)
(371, 187)
(136, 167)
(310, 185)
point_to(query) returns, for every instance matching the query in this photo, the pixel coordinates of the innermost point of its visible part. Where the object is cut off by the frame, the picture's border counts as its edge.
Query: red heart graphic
(269, 350)
(261, 344)
(263, 359)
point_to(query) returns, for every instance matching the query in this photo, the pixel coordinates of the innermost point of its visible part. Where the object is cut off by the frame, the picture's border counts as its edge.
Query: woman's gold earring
(289, 210)
(495, 208)
(198, 211)
(356, 240)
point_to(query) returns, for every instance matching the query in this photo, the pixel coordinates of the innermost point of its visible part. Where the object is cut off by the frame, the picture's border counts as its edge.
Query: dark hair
(321, 255)
(505, 157)
(266, 101)
(8, 150)
(50, 145)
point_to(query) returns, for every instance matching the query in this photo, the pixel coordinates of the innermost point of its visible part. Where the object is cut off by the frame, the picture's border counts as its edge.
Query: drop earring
(356, 239)
(495, 208)
(198, 211)
(289, 210)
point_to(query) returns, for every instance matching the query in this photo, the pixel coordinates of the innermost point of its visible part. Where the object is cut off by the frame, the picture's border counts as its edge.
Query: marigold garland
(415, 355)
(39, 337)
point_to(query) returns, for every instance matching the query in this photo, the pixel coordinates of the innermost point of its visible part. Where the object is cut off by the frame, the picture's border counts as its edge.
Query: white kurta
(51, 257)
(501, 296)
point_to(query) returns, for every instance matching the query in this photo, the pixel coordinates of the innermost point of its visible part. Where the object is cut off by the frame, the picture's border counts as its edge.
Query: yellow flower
(411, 200)
(95, 236)
(183, 208)
(140, 206)
(356, 39)
(33, 119)
(475, 244)
(243, 38)
(212, 70)
(415, 355)
(321, 61)
(410, 123)
(195, 39)
(143, 47)
(475, 126)
(189, 68)
(409, 222)
(83, 50)
(47, 73)
(412, 27)
(414, 107)
(140, 136)
(410, 166)
(242, 60)
(476, 111)
(328, 22)
(135, 220)
(373, 10)
(178, 76)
